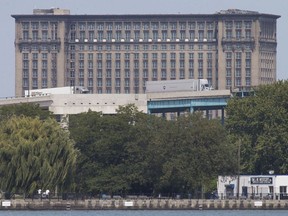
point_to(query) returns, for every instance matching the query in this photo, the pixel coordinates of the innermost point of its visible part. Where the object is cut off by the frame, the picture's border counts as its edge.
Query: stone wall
(165, 204)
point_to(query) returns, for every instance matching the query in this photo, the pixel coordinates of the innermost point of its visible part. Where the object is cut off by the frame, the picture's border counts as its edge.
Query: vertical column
(191, 109)
(222, 115)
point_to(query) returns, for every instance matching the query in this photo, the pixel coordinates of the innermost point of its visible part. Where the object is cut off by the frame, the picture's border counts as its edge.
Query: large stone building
(118, 53)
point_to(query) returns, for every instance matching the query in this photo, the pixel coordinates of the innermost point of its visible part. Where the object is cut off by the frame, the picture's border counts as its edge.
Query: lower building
(253, 187)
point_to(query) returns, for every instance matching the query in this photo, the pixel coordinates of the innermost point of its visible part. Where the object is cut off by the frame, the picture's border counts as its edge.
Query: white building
(253, 186)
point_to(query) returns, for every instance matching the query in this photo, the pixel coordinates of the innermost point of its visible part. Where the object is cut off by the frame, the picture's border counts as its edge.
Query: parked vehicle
(177, 85)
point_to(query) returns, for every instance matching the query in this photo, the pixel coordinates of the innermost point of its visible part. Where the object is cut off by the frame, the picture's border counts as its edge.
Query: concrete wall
(147, 204)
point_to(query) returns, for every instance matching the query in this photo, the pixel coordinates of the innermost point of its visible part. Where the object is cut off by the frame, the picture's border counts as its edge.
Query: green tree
(260, 124)
(198, 151)
(35, 154)
(26, 109)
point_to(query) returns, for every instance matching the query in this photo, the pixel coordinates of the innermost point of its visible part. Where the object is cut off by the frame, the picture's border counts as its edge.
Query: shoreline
(143, 204)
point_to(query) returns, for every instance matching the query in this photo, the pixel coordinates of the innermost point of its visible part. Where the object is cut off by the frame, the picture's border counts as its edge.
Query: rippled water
(149, 213)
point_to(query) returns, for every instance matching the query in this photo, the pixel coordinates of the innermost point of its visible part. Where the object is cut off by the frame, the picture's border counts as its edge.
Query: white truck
(59, 90)
(177, 85)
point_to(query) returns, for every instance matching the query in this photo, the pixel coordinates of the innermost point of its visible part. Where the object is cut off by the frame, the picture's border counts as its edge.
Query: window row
(142, 25)
(163, 35)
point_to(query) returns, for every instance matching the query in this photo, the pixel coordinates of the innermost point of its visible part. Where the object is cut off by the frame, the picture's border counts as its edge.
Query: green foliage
(34, 154)
(261, 122)
(26, 109)
(132, 152)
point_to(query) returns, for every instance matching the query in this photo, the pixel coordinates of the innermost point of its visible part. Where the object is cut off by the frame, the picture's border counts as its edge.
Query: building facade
(253, 186)
(119, 53)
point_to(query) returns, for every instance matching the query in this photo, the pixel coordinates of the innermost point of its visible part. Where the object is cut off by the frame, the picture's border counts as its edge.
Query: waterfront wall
(141, 204)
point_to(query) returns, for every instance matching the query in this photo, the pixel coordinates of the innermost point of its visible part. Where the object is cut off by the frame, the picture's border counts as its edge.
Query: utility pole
(238, 177)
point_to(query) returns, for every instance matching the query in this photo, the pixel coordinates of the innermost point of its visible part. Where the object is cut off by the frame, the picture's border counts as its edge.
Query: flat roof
(222, 13)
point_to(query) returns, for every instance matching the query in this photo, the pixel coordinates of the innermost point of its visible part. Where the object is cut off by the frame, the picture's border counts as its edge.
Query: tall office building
(119, 53)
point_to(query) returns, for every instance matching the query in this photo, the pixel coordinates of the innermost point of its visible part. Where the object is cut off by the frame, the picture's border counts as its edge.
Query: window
(248, 81)
(44, 35)
(200, 25)
(163, 64)
(229, 34)
(238, 81)
(155, 35)
(238, 72)
(25, 35)
(44, 64)
(154, 55)
(127, 35)
(228, 63)
(182, 74)
(182, 35)
(228, 55)
(248, 24)
(25, 25)
(238, 33)
(248, 55)
(90, 64)
(35, 35)
(146, 26)
(118, 56)
(155, 26)
(154, 74)
(228, 72)
(173, 74)
(127, 84)
(173, 35)
(209, 55)
(191, 25)
(164, 26)
(118, 35)
(118, 64)
(228, 24)
(154, 47)
(163, 74)
(127, 26)
(238, 63)
(248, 34)
(127, 56)
(173, 64)
(154, 64)
(191, 64)
(146, 35)
(44, 55)
(191, 73)
(118, 26)
(238, 55)
(173, 55)
(145, 55)
(137, 35)
(137, 26)
(210, 35)
(248, 63)
(91, 26)
(192, 35)
(127, 64)
(164, 35)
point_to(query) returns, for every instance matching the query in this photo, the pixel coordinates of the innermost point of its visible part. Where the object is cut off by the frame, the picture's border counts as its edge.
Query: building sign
(261, 180)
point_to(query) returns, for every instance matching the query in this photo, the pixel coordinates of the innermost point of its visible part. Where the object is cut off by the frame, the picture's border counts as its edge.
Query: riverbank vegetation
(135, 153)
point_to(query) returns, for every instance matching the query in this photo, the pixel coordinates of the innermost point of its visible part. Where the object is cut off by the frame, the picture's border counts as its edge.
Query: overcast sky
(9, 7)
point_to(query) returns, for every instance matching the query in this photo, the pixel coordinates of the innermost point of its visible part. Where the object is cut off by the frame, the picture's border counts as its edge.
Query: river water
(148, 213)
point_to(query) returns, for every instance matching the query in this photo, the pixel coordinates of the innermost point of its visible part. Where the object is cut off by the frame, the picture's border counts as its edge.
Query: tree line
(135, 153)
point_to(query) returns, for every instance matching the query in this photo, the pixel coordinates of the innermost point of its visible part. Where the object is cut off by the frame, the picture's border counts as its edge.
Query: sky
(9, 7)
